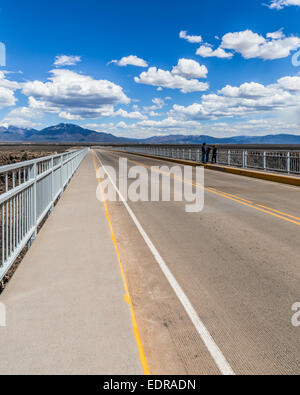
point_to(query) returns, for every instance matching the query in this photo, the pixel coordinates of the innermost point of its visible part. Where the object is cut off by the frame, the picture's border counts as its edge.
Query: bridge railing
(28, 193)
(269, 160)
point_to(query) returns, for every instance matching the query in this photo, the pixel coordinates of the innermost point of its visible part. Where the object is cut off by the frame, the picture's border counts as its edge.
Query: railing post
(288, 162)
(61, 173)
(183, 154)
(243, 159)
(190, 154)
(265, 161)
(198, 155)
(34, 203)
(52, 184)
(228, 159)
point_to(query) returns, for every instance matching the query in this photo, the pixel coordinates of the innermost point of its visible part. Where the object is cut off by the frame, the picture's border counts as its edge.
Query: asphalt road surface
(237, 263)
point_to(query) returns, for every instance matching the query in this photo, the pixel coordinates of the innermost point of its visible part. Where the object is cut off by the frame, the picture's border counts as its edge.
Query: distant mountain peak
(71, 133)
(62, 126)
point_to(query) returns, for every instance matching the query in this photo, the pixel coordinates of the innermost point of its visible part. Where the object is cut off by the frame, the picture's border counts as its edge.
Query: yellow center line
(127, 294)
(248, 203)
(230, 194)
(279, 212)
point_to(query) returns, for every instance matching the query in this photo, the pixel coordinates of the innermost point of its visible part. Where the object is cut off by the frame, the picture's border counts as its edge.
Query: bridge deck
(213, 292)
(65, 306)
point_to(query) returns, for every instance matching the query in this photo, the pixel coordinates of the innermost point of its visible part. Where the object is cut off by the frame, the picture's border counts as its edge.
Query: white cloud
(18, 123)
(158, 104)
(178, 78)
(191, 39)
(276, 35)
(154, 114)
(72, 94)
(130, 115)
(5, 83)
(290, 83)
(7, 98)
(167, 123)
(280, 4)
(207, 52)
(249, 98)
(68, 116)
(122, 125)
(131, 60)
(65, 60)
(189, 68)
(170, 125)
(252, 45)
(23, 117)
(7, 90)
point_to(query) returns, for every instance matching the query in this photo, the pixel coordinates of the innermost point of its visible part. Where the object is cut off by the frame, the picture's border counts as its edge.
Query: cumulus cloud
(66, 60)
(244, 100)
(167, 123)
(206, 51)
(253, 45)
(158, 104)
(154, 114)
(290, 83)
(72, 94)
(7, 97)
(23, 117)
(280, 4)
(189, 68)
(170, 125)
(70, 117)
(130, 115)
(191, 39)
(131, 60)
(183, 77)
(7, 91)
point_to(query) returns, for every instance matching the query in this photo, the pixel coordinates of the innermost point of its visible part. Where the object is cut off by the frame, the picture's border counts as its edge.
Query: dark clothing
(207, 154)
(204, 153)
(214, 156)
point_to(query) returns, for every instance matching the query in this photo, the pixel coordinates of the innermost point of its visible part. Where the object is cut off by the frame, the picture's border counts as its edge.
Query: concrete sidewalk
(65, 305)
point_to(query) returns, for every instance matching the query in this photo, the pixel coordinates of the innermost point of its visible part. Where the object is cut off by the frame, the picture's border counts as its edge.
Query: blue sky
(136, 68)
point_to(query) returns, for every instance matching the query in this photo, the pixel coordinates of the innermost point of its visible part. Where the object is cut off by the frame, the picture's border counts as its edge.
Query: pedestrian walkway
(65, 306)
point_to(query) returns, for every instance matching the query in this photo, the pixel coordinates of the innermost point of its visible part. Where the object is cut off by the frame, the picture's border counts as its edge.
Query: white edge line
(206, 337)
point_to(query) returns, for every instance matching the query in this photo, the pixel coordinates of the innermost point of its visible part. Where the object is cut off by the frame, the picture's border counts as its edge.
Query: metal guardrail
(31, 189)
(269, 160)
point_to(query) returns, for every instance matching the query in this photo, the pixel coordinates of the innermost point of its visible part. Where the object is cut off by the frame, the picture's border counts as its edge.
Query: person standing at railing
(214, 154)
(207, 154)
(204, 153)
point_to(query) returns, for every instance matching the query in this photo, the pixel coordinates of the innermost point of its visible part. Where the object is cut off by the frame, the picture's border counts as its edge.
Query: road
(237, 263)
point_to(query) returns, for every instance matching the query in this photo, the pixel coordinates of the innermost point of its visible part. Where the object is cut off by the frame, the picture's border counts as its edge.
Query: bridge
(145, 287)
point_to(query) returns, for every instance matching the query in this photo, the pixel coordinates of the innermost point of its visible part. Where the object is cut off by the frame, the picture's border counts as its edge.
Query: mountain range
(69, 133)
